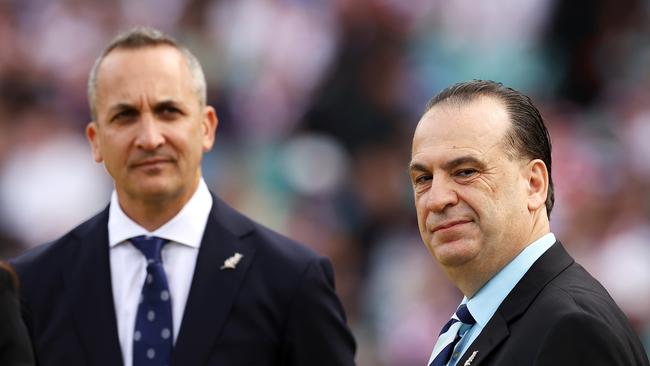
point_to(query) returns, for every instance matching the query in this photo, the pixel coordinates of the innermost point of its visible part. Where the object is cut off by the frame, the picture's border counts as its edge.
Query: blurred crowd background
(318, 100)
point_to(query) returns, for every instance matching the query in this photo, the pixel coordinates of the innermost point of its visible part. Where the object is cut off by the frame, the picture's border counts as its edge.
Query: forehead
(149, 70)
(477, 126)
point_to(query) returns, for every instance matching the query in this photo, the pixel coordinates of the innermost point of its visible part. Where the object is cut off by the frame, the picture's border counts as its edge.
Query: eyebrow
(120, 107)
(461, 160)
(167, 102)
(126, 106)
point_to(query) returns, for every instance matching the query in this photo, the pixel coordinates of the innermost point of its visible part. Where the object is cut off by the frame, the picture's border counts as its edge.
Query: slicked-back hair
(142, 37)
(527, 136)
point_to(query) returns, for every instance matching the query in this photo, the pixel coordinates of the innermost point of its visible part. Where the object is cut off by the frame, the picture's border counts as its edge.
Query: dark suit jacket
(557, 315)
(15, 348)
(277, 307)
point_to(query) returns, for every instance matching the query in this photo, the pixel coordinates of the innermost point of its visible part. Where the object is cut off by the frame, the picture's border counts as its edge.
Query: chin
(154, 190)
(454, 253)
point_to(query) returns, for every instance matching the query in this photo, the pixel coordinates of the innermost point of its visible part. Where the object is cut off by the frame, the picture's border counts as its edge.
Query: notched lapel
(494, 333)
(547, 267)
(91, 295)
(212, 293)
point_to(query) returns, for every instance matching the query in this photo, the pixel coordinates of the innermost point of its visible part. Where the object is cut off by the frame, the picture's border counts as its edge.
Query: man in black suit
(481, 174)
(168, 273)
(15, 348)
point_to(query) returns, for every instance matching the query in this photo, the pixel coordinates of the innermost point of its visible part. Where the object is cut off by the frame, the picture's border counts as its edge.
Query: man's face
(470, 197)
(150, 130)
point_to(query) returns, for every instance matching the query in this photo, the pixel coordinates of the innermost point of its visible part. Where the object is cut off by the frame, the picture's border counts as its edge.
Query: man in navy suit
(229, 291)
(481, 174)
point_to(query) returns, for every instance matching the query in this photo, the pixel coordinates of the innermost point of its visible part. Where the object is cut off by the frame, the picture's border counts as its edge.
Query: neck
(153, 212)
(472, 276)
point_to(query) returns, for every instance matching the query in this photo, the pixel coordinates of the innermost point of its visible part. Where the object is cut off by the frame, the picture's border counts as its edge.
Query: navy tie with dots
(451, 334)
(152, 338)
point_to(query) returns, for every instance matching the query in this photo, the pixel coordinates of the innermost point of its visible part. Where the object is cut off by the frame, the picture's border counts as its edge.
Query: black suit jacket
(277, 307)
(557, 315)
(15, 348)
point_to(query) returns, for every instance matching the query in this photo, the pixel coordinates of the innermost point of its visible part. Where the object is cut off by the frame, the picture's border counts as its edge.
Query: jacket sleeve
(316, 332)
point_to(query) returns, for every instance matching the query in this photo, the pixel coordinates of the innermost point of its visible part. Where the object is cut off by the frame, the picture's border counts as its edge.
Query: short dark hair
(141, 37)
(527, 137)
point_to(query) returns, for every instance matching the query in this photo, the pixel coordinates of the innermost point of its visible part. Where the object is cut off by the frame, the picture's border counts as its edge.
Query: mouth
(150, 163)
(450, 224)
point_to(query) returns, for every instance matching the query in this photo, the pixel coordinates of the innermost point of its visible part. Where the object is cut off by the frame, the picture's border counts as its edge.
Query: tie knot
(464, 315)
(150, 246)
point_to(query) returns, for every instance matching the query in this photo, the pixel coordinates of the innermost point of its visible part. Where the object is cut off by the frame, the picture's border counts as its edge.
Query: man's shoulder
(51, 254)
(577, 297)
(575, 308)
(267, 241)
(578, 291)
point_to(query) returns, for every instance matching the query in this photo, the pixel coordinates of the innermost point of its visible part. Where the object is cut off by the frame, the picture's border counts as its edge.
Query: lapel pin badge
(471, 358)
(231, 262)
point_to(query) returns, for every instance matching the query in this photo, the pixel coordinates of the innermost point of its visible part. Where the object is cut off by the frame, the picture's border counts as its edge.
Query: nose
(149, 135)
(441, 195)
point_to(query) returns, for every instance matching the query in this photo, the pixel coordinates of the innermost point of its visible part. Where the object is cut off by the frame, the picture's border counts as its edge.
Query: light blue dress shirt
(487, 300)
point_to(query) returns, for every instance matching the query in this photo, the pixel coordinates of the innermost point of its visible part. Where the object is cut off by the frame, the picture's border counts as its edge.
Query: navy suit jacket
(557, 315)
(277, 307)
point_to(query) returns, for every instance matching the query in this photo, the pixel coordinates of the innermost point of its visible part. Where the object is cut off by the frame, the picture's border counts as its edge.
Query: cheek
(420, 207)
(422, 214)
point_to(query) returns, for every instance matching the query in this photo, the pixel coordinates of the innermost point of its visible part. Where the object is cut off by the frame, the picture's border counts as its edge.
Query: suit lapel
(91, 294)
(492, 335)
(213, 289)
(548, 266)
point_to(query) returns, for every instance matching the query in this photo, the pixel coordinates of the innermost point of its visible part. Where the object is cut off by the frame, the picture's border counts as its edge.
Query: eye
(124, 115)
(420, 181)
(422, 178)
(169, 112)
(466, 173)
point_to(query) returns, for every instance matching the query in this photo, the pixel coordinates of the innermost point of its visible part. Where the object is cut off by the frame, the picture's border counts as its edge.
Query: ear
(537, 182)
(91, 135)
(210, 122)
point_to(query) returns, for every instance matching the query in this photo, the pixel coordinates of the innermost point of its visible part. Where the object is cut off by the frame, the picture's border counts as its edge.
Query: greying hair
(527, 137)
(141, 37)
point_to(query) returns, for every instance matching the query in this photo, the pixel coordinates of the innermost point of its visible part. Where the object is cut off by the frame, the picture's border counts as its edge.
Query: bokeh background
(318, 100)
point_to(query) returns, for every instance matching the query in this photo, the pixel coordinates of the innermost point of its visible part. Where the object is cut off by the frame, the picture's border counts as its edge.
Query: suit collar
(548, 266)
(487, 300)
(214, 288)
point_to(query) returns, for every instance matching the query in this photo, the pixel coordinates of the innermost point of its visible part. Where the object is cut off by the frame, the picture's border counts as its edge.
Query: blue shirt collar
(487, 300)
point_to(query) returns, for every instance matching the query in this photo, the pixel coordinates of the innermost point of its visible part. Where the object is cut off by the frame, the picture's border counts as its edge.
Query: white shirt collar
(186, 227)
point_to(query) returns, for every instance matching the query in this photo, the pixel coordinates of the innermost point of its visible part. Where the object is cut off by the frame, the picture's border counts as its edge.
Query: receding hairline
(459, 102)
(143, 38)
(117, 50)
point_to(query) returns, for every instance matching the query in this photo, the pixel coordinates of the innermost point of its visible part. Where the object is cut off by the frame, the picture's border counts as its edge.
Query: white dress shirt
(129, 266)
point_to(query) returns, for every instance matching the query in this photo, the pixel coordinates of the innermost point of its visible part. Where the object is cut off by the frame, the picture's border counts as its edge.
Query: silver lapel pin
(471, 358)
(231, 262)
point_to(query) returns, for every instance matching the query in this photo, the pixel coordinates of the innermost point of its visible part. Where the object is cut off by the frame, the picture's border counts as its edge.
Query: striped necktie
(449, 335)
(152, 337)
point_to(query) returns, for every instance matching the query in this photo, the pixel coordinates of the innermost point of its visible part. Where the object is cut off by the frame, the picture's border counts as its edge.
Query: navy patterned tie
(152, 338)
(449, 335)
